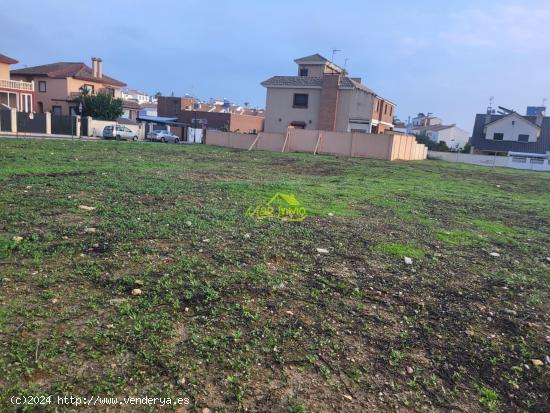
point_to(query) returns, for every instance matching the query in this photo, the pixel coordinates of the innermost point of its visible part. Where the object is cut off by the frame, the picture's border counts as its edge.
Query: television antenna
(490, 108)
(334, 51)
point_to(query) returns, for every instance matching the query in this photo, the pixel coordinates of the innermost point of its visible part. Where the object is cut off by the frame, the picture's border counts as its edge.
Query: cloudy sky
(446, 57)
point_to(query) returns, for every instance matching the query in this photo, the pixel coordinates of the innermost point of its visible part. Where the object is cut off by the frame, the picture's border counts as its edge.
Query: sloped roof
(7, 60)
(542, 145)
(314, 58)
(311, 82)
(293, 81)
(530, 119)
(130, 104)
(434, 128)
(77, 70)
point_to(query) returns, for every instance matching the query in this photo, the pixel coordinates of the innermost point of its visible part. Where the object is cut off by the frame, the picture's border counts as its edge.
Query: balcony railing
(17, 85)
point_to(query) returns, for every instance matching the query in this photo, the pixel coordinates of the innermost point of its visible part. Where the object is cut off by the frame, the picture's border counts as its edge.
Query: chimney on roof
(99, 68)
(94, 66)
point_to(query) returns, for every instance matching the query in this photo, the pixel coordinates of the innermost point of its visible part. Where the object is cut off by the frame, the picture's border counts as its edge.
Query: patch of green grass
(458, 237)
(493, 227)
(488, 398)
(399, 250)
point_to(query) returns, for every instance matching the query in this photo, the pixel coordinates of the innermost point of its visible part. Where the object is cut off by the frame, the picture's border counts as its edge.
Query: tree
(467, 148)
(432, 146)
(102, 106)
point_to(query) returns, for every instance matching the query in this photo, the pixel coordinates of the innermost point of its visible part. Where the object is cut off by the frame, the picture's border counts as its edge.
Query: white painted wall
(516, 162)
(511, 127)
(454, 137)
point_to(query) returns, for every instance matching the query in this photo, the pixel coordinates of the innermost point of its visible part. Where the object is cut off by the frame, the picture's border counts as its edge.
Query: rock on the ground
(510, 312)
(322, 250)
(409, 370)
(17, 239)
(136, 291)
(536, 362)
(408, 261)
(547, 359)
(246, 236)
(90, 230)
(188, 223)
(547, 259)
(86, 207)
(348, 397)
(494, 254)
(139, 282)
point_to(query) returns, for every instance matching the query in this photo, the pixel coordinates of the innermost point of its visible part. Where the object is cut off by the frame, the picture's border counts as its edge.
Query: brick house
(323, 97)
(15, 93)
(58, 83)
(214, 116)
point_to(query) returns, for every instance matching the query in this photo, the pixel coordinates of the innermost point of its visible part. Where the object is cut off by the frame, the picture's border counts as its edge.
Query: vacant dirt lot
(161, 287)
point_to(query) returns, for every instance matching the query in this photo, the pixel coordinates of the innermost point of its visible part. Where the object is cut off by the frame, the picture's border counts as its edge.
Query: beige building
(57, 84)
(323, 97)
(14, 94)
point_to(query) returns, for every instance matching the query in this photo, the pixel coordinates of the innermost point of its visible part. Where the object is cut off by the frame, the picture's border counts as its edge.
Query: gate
(84, 126)
(64, 125)
(31, 122)
(5, 120)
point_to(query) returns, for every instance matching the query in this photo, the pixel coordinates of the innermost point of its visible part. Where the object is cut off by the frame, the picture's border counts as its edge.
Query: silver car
(159, 135)
(119, 132)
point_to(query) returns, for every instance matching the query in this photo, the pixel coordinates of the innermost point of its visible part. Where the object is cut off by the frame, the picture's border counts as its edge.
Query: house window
(523, 138)
(300, 100)
(89, 88)
(391, 110)
(26, 103)
(9, 99)
(303, 71)
(498, 136)
(56, 110)
(385, 109)
(42, 86)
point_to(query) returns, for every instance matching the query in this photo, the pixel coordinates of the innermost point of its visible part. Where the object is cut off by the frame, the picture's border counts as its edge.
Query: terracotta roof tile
(7, 60)
(77, 70)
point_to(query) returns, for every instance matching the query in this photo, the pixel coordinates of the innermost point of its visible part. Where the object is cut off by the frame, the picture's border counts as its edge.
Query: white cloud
(510, 25)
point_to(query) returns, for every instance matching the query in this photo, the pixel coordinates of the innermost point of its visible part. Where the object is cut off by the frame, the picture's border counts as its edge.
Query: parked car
(159, 135)
(119, 132)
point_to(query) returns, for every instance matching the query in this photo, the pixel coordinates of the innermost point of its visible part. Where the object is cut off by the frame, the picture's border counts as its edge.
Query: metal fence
(84, 126)
(64, 125)
(31, 122)
(5, 120)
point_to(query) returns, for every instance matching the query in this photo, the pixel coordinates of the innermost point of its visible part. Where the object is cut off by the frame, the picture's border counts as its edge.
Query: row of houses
(52, 88)
(320, 96)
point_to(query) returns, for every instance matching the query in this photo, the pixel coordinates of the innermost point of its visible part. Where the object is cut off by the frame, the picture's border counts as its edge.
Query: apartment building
(14, 93)
(57, 84)
(322, 96)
